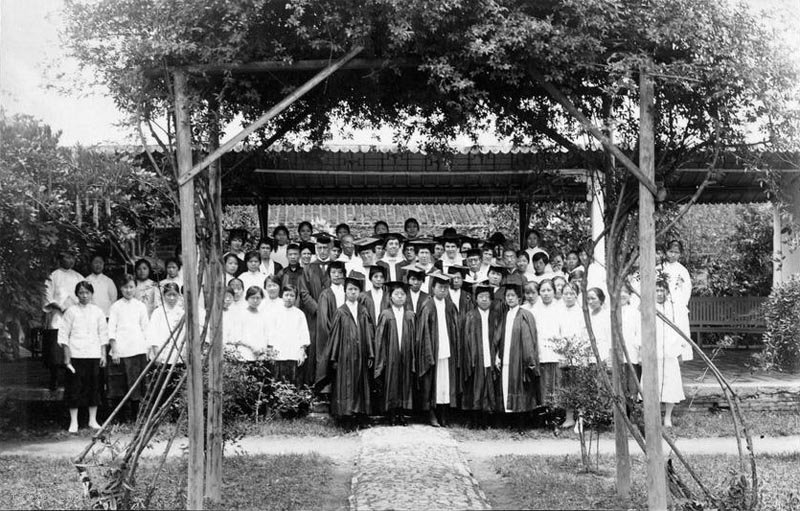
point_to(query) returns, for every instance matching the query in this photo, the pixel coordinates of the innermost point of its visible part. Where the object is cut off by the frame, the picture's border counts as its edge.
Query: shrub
(782, 339)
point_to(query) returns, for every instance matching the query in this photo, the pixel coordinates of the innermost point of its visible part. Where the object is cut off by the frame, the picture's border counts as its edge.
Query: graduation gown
(296, 276)
(400, 273)
(367, 299)
(350, 349)
(480, 383)
(428, 347)
(423, 299)
(317, 277)
(394, 360)
(326, 311)
(523, 366)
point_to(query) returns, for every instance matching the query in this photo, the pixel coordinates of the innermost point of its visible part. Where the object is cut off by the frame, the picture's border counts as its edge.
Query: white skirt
(669, 380)
(443, 381)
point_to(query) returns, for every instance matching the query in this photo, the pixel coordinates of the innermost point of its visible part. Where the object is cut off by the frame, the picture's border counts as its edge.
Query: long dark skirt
(83, 387)
(287, 370)
(551, 380)
(121, 377)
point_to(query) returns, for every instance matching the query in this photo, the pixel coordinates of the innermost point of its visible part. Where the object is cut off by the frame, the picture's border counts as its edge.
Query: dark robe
(326, 311)
(367, 300)
(523, 368)
(465, 304)
(394, 360)
(317, 277)
(428, 347)
(400, 273)
(499, 301)
(296, 276)
(423, 299)
(480, 383)
(350, 353)
(516, 278)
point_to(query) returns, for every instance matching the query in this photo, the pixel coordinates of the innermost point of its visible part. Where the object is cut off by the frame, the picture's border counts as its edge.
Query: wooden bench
(726, 315)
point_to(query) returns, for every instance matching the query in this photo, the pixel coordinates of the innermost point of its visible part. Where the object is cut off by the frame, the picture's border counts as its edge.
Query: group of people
(397, 323)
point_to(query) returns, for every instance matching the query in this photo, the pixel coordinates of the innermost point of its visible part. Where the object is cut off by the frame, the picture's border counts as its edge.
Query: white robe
(442, 355)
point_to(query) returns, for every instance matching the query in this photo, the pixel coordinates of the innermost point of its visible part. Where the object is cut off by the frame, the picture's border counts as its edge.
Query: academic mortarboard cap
(293, 246)
(322, 237)
(469, 239)
(449, 231)
(487, 245)
(421, 243)
(456, 268)
(440, 278)
(366, 244)
(336, 265)
(414, 271)
(467, 286)
(237, 233)
(396, 284)
(502, 270)
(377, 269)
(359, 283)
(498, 238)
(474, 252)
(483, 288)
(394, 236)
(516, 287)
(337, 243)
(449, 238)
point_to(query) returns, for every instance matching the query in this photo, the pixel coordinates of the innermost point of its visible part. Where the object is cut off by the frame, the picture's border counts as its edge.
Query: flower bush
(782, 338)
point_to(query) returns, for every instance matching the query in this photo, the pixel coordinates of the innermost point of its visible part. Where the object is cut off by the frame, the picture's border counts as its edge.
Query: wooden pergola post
(656, 472)
(263, 218)
(524, 219)
(194, 363)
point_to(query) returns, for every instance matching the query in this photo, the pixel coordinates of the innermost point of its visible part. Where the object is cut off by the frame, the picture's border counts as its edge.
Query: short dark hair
(289, 287)
(254, 290)
(280, 228)
(307, 224)
(408, 221)
(84, 285)
(173, 260)
(253, 254)
(342, 226)
(599, 292)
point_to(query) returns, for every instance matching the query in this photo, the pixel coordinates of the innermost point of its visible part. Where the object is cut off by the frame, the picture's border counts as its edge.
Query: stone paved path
(414, 467)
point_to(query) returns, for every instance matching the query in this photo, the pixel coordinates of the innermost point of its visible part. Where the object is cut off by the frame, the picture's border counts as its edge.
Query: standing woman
(127, 346)
(680, 292)
(668, 351)
(601, 322)
(230, 263)
(478, 372)
(306, 253)
(548, 315)
(281, 236)
(253, 275)
(83, 334)
(288, 336)
(146, 288)
(253, 339)
(164, 324)
(273, 300)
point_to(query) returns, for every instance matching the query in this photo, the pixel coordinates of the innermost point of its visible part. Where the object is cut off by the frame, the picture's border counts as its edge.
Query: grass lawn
(250, 482)
(542, 482)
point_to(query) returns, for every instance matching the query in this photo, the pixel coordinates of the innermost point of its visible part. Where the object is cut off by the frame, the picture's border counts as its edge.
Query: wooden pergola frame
(197, 488)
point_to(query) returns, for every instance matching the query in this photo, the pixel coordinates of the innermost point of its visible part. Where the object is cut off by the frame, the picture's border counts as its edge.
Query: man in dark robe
(497, 273)
(393, 259)
(478, 370)
(317, 270)
(416, 298)
(330, 300)
(461, 298)
(376, 299)
(293, 274)
(351, 356)
(517, 356)
(394, 354)
(437, 353)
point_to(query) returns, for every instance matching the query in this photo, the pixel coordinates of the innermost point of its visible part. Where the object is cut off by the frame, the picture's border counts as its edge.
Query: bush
(782, 339)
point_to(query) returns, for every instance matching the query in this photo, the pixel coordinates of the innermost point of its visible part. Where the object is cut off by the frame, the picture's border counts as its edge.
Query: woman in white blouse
(146, 288)
(128, 348)
(680, 292)
(83, 334)
(547, 312)
(163, 326)
(288, 335)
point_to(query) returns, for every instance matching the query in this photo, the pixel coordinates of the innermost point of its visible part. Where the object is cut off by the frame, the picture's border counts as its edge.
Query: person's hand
(114, 358)
(71, 369)
(369, 363)
(102, 362)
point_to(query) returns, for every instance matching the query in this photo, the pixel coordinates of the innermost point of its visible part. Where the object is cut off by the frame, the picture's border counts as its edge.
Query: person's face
(673, 254)
(593, 301)
(227, 301)
(557, 262)
(236, 244)
(253, 263)
(547, 293)
(323, 250)
(409, 253)
(67, 261)
(265, 250)
(84, 296)
(450, 249)
(625, 296)
(231, 266)
(398, 297)
(465, 246)
(539, 266)
(142, 272)
(127, 290)
(341, 232)
(351, 292)
(172, 270)
(305, 256)
(661, 294)
(171, 298)
(512, 299)
(415, 283)
(533, 240)
(510, 259)
(474, 263)
(456, 280)
(288, 299)
(335, 252)
(293, 256)
(560, 286)
(495, 278)
(488, 254)
(392, 247)
(379, 252)
(238, 290)
(367, 257)
(348, 247)
(659, 256)
(522, 264)
(484, 300)
(254, 301)
(440, 290)
(438, 250)
(381, 229)
(98, 265)
(337, 276)
(282, 237)
(377, 280)
(584, 258)
(412, 229)
(531, 295)
(305, 233)
(569, 296)
(424, 256)
(572, 261)
(273, 290)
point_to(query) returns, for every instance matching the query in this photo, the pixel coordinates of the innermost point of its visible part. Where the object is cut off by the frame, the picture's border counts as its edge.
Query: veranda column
(597, 203)
(777, 246)
(790, 253)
